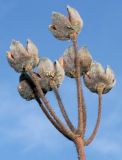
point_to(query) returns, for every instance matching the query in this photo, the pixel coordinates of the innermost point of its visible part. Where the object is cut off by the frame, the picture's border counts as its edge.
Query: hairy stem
(80, 148)
(62, 108)
(50, 118)
(84, 116)
(91, 138)
(79, 86)
(48, 106)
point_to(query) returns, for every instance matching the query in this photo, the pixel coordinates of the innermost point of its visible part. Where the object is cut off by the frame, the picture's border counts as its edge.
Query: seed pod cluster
(63, 27)
(68, 61)
(50, 72)
(97, 78)
(23, 58)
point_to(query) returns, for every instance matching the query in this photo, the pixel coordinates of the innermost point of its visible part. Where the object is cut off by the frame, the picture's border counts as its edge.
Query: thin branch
(91, 138)
(79, 86)
(49, 108)
(62, 108)
(50, 118)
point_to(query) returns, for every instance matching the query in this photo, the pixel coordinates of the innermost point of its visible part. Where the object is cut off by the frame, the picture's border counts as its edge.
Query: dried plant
(75, 63)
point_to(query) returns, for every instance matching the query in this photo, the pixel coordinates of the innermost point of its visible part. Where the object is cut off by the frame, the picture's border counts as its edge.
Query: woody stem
(80, 148)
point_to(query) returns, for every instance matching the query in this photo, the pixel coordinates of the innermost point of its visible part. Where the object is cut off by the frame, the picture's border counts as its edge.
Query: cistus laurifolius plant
(76, 63)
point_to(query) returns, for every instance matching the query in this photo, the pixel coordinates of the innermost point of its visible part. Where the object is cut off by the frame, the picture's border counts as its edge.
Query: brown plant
(75, 63)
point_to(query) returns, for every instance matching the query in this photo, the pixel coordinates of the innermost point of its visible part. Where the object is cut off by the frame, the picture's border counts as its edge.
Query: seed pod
(49, 72)
(68, 61)
(25, 87)
(63, 27)
(23, 59)
(85, 59)
(45, 70)
(33, 51)
(75, 19)
(111, 79)
(25, 90)
(59, 74)
(97, 78)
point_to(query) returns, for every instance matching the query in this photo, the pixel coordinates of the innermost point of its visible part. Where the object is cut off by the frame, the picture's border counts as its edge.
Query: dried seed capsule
(68, 61)
(49, 72)
(85, 59)
(75, 19)
(21, 58)
(25, 90)
(45, 70)
(59, 74)
(97, 78)
(110, 79)
(33, 51)
(63, 27)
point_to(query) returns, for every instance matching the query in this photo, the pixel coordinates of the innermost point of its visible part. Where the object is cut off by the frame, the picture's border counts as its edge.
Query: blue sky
(25, 133)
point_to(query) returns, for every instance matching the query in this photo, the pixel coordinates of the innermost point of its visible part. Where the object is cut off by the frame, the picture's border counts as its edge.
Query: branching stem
(80, 148)
(64, 129)
(50, 118)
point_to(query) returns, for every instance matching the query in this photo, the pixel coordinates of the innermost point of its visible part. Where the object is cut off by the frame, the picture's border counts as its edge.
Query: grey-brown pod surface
(63, 27)
(68, 61)
(97, 77)
(23, 58)
(50, 72)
